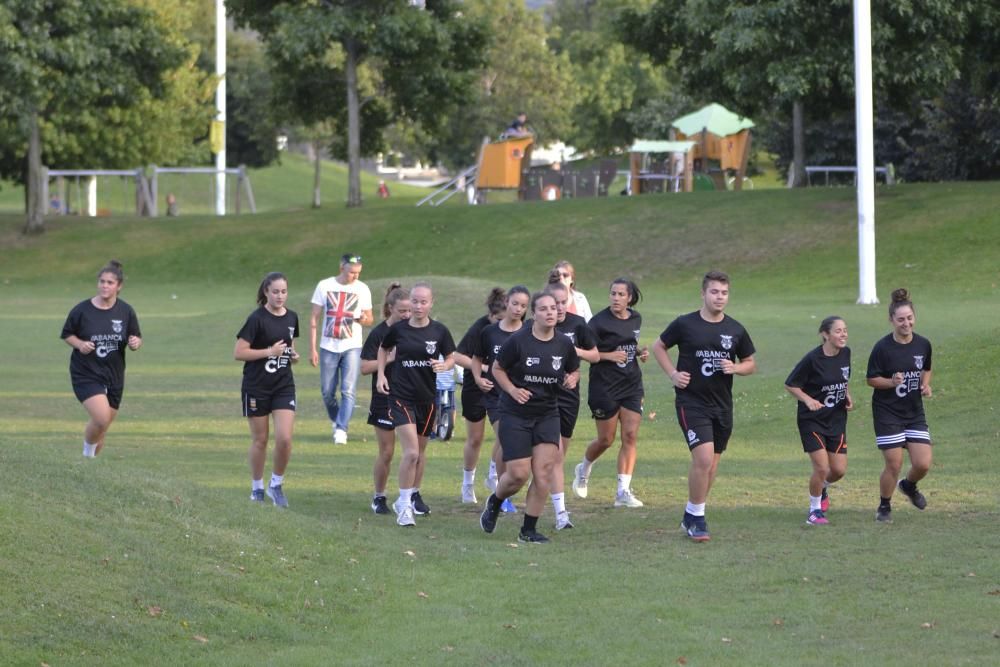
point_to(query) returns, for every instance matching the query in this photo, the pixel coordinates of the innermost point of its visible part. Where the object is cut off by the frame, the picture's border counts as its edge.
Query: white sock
(587, 466)
(89, 450)
(276, 480)
(469, 476)
(695, 509)
(379, 493)
(257, 484)
(493, 469)
(559, 502)
(624, 482)
(815, 502)
(826, 484)
(405, 496)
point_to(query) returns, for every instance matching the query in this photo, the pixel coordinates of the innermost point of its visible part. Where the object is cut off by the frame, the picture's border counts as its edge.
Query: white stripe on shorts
(894, 439)
(918, 435)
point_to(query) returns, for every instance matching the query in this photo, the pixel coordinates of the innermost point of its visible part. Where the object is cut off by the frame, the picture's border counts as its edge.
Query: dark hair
(496, 301)
(517, 289)
(554, 286)
(114, 267)
(827, 323)
(554, 277)
(394, 293)
(268, 279)
(900, 298)
(350, 258)
(538, 295)
(714, 276)
(634, 295)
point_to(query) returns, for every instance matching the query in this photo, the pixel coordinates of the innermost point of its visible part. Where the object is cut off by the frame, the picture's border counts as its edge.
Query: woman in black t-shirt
(899, 371)
(99, 329)
(264, 345)
(395, 308)
(820, 383)
(615, 392)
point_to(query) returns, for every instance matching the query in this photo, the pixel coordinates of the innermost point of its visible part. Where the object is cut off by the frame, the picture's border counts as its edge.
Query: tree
(252, 107)
(425, 59)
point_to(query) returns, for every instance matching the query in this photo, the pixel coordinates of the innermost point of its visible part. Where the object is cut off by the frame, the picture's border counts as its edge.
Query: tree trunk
(353, 128)
(798, 146)
(35, 223)
(316, 171)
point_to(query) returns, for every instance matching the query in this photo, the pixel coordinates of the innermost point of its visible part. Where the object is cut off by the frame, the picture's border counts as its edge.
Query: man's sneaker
(277, 496)
(419, 506)
(339, 436)
(405, 516)
(816, 518)
(488, 519)
(491, 482)
(695, 527)
(469, 493)
(579, 481)
(562, 521)
(824, 503)
(909, 490)
(883, 514)
(257, 495)
(380, 505)
(508, 506)
(627, 499)
(532, 536)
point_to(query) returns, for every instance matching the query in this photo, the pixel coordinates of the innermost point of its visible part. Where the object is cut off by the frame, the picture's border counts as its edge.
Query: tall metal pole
(220, 105)
(864, 124)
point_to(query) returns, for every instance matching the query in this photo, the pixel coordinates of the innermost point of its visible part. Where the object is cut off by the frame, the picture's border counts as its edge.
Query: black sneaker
(695, 527)
(909, 489)
(257, 496)
(488, 519)
(419, 506)
(380, 505)
(883, 514)
(532, 536)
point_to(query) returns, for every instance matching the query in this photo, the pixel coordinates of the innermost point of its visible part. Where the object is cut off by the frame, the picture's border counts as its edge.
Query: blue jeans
(346, 365)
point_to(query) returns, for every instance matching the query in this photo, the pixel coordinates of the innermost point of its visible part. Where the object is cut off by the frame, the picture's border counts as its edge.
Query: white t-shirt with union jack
(342, 306)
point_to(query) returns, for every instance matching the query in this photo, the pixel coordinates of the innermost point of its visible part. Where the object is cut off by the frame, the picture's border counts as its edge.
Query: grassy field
(152, 552)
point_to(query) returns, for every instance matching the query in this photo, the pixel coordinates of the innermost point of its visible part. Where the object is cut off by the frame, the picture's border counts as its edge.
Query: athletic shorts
(378, 413)
(603, 407)
(473, 408)
(892, 432)
(261, 405)
(420, 415)
(86, 388)
(813, 441)
(700, 425)
(518, 435)
(567, 418)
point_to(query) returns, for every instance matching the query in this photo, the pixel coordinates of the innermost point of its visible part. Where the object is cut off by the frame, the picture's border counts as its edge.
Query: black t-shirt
(824, 379)
(612, 379)
(701, 348)
(539, 366)
(576, 330)
(911, 359)
(109, 331)
(417, 348)
(262, 330)
(491, 339)
(467, 346)
(369, 352)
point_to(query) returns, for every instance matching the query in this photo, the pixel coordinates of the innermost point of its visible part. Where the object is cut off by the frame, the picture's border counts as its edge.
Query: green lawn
(152, 553)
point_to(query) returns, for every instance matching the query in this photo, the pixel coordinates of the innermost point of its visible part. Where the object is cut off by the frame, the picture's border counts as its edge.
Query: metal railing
(441, 195)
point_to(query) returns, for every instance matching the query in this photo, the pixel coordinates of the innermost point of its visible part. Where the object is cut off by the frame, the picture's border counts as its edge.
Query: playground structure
(721, 137)
(675, 174)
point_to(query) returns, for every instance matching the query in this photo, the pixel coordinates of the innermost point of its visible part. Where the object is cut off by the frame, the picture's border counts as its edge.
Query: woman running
(820, 383)
(264, 345)
(578, 304)
(899, 371)
(576, 330)
(615, 392)
(422, 347)
(529, 368)
(99, 329)
(395, 307)
(473, 405)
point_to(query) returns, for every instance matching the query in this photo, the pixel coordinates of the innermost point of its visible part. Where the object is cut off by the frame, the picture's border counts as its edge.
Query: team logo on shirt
(431, 346)
(846, 370)
(727, 341)
(918, 361)
(571, 335)
(692, 436)
(116, 326)
(532, 361)
(556, 363)
(636, 332)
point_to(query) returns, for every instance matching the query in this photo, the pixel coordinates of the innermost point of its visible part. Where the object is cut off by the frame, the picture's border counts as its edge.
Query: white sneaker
(579, 482)
(404, 517)
(626, 499)
(562, 521)
(469, 493)
(491, 483)
(339, 436)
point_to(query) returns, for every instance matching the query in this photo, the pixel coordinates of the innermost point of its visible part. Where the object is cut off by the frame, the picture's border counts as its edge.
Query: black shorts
(473, 408)
(701, 425)
(569, 410)
(603, 407)
(814, 440)
(85, 389)
(892, 432)
(378, 413)
(261, 405)
(420, 415)
(518, 435)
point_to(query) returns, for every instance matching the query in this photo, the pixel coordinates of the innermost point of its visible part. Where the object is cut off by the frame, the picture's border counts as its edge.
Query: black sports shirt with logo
(369, 352)
(417, 348)
(612, 379)
(491, 339)
(576, 330)
(824, 379)
(540, 366)
(262, 330)
(911, 359)
(109, 331)
(701, 348)
(468, 346)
